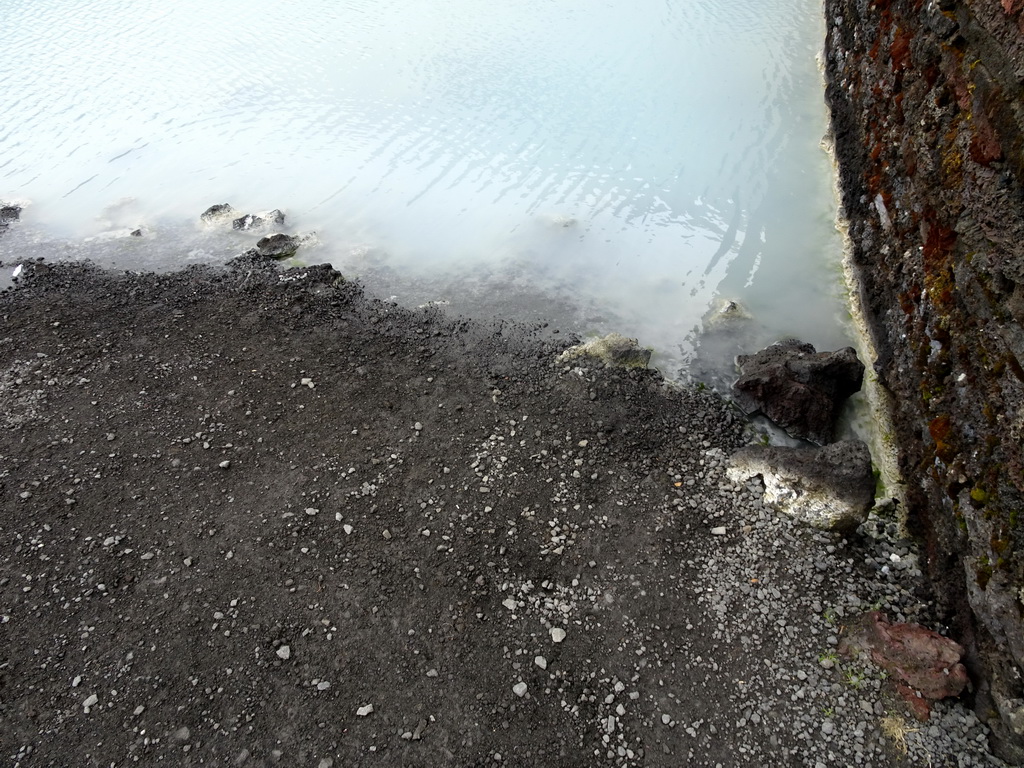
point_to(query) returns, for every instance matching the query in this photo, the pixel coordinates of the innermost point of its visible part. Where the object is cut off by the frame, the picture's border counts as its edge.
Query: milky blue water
(608, 164)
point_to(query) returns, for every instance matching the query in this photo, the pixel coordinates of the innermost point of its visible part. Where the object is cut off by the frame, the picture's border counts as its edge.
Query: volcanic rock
(926, 663)
(831, 488)
(258, 221)
(278, 246)
(797, 387)
(9, 213)
(217, 212)
(614, 350)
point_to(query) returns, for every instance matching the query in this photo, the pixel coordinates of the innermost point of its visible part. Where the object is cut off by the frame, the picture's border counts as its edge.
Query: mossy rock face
(614, 350)
(941, 288)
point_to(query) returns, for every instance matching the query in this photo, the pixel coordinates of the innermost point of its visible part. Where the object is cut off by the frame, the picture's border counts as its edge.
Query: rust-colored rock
(926, 664)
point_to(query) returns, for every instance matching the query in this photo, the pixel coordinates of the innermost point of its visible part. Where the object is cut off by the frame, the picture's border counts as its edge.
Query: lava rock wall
(927, 100)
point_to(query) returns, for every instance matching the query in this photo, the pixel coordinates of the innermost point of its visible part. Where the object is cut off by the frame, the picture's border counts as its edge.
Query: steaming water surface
(616, 165)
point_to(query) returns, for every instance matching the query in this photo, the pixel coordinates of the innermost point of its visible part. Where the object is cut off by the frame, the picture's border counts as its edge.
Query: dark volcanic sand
(237, 506)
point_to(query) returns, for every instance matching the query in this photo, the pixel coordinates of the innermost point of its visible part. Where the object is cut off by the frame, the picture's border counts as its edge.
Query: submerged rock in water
(926, 664)
(217, 213)
(728, 314)
(831, 488)
(727, 330)
(614, 349)
(797, 387)
(562, 220)
(258, 221)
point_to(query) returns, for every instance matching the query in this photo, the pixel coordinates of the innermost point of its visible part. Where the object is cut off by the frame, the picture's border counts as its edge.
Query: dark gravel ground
(241, 507)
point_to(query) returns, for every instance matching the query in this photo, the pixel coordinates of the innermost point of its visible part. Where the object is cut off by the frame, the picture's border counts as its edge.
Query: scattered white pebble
(519, 689)
(557, 634)
(364, 710)
(540, 661)
(284, 652)
(719, 531)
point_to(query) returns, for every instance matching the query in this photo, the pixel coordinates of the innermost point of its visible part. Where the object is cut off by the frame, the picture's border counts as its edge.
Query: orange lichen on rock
(941, 430)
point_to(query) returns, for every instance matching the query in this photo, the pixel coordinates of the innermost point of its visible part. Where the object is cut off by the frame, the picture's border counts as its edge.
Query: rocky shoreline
(256, 516)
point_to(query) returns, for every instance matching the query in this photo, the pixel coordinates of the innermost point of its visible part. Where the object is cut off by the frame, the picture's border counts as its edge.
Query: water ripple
(666, 133)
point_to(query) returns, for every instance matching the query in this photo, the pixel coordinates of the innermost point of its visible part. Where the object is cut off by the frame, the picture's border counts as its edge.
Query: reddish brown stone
(985, 147)
(926, 664)
(920, 707)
